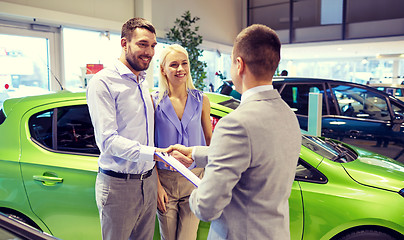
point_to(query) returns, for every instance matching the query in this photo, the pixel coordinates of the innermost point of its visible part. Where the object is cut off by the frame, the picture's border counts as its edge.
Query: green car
(48, 166)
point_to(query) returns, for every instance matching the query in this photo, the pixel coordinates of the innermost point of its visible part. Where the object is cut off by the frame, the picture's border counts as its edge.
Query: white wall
(220, 20)
(103, 15)
(115, 10)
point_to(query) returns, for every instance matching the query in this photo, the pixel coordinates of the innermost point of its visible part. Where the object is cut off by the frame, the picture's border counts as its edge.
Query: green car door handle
(48, 180)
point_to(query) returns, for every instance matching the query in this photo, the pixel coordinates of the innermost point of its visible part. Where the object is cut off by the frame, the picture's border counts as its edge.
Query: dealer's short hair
(259, 46)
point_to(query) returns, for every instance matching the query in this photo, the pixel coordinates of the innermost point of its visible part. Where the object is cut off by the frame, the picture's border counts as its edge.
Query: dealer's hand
(186, 161)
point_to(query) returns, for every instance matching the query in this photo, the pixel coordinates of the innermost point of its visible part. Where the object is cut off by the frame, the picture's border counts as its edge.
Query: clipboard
(174, 163)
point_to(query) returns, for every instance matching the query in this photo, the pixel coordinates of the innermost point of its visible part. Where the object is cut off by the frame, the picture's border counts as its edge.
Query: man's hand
(181, 153)
(186, 161)
(187, 151)
(156, 158)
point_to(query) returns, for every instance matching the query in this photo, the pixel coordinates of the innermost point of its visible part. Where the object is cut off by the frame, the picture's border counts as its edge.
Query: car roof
(386, 85)
(307, 79)
(323, 80)
(26, 103)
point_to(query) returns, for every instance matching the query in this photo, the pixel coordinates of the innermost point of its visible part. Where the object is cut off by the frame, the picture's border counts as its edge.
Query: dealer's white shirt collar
(255, 90)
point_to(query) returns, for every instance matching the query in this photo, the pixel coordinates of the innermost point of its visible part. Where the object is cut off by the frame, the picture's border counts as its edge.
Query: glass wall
(24, 65)
(324, 20)
(274, 14)
(83, 48)
(358, 10)
(352, 70)
(218, 68)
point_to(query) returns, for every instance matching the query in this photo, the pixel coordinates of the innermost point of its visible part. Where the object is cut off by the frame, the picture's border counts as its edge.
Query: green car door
(59, 170)
(296, 212)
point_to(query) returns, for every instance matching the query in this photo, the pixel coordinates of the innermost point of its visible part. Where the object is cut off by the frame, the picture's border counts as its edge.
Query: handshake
(181, 153)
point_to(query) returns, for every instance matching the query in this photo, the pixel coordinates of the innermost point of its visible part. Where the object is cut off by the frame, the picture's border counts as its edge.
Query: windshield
(231, 103)
(329, 149)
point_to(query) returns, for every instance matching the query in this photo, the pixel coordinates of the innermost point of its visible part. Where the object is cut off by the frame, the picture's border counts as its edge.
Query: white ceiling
(364, 48)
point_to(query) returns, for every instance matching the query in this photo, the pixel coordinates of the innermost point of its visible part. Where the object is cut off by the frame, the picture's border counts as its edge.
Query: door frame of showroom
(53, 36)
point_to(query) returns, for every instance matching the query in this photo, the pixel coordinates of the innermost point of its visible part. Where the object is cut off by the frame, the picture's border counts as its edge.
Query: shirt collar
(124, 70)
(255, 90)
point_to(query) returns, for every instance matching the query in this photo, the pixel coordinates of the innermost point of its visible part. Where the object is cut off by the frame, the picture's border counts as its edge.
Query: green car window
(75, 132)
(2, 117)
(307, 173)
(40, 127)
(72, 133)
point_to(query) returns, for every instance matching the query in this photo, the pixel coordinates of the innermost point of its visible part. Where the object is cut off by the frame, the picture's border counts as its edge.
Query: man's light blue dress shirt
(122, 114)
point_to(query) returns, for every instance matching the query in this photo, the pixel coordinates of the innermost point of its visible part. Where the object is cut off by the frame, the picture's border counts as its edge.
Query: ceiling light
(395, 55)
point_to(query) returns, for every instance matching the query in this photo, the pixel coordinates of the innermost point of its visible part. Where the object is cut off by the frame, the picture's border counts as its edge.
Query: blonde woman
(182, 115)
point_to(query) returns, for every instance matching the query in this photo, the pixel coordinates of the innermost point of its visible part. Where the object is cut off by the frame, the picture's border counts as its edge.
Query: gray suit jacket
(251, 164)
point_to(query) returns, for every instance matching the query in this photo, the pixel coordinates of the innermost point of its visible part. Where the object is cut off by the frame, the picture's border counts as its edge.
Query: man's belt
(126, 175)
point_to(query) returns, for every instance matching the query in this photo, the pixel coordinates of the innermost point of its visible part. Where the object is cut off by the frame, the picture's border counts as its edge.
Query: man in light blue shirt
(123, 118)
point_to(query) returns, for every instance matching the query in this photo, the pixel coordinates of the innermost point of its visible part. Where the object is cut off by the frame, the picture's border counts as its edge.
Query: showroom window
(28, 59)
(357, 70)
(24, 65)
(218, 68)
(156, 62)
(83, 48)
(331, 11)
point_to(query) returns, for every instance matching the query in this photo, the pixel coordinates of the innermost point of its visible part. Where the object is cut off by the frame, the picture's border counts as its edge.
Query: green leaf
(186, 35)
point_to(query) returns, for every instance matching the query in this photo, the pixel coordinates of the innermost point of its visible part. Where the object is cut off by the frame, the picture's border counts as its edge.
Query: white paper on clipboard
(174, 163)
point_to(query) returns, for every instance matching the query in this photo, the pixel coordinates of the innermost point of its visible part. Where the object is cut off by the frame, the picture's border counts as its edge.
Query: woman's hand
(162, 197)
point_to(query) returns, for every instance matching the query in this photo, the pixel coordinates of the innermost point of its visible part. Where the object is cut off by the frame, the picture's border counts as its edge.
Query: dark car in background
(360, 115)
(353, 113)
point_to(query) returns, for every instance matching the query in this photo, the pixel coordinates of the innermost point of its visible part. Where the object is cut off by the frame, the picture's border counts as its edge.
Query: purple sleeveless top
(170, 130)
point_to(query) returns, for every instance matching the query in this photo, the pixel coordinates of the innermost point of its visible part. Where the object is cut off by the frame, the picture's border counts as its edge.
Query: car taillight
(213, 121)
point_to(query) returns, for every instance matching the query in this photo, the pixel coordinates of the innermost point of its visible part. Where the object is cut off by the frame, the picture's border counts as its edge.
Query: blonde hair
(163, 81)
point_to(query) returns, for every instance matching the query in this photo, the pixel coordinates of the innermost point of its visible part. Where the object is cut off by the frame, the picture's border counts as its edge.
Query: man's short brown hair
(259, 46)
(132, 24)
